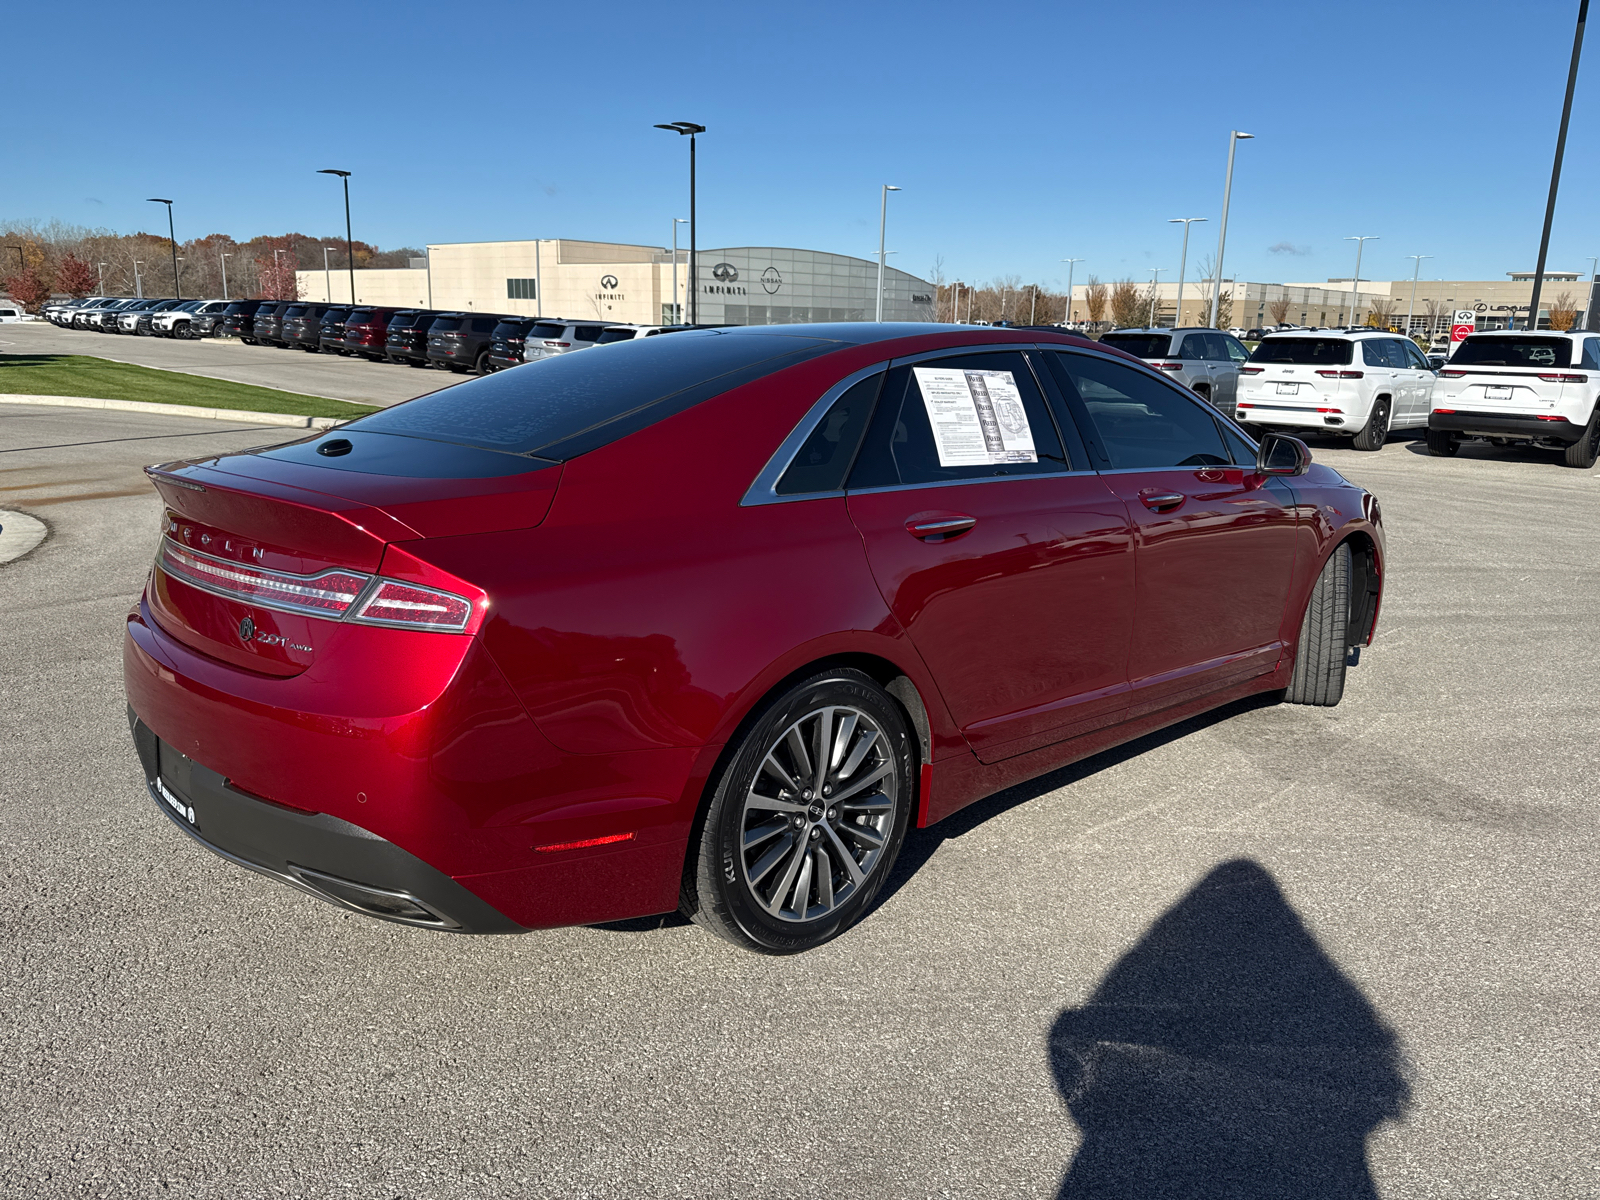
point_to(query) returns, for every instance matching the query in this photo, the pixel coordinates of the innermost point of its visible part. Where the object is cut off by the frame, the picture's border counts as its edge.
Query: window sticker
(977, 417)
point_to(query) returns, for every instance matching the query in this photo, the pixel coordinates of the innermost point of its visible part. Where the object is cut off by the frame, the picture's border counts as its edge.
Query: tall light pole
(327, 278)
(172, 236)
(349, 242)
(138, 279)
(1071, 265)
(1234, 138)
(1412, 307)
(1588, 309)
(689, 129)
(1183, 264)
(1361, 241)
(955, 303)
(677, 312)
(1555, 170)
(225, 259)
(1155, 273)
(883, 220)
(277, 276)
(103, 267)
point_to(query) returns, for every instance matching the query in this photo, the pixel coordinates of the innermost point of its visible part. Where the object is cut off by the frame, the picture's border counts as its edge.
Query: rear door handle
(941, 525)
(1162, 501)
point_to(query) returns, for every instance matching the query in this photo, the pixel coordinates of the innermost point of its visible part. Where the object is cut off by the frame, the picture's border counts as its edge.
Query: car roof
(1526, 332)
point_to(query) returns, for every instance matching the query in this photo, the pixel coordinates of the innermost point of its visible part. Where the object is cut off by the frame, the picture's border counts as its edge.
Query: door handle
(940, 525)
(1162, 501)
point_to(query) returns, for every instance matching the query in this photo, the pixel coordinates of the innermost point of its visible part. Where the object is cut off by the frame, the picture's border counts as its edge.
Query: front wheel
(807, 820)
(1376, 431)
(1442, 443)
(1323, 651)
(1583, 452)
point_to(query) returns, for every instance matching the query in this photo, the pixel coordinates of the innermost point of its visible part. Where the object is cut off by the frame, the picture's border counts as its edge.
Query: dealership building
(634, 285)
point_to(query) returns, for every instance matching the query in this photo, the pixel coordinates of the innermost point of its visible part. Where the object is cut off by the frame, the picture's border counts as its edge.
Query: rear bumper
(1264, 412)
(1512, 425)
(318, 854)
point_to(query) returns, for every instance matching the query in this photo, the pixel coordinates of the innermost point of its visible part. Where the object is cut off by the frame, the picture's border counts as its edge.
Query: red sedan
(706, 621)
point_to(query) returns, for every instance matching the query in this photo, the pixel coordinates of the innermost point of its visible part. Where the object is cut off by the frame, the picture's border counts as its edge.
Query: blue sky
(1021, 133)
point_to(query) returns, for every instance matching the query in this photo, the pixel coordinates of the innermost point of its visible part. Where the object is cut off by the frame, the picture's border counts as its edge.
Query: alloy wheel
(819, 814)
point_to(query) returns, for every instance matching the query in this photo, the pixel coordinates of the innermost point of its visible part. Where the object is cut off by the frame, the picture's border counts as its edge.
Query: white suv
(1339, 381)
(1533, 387)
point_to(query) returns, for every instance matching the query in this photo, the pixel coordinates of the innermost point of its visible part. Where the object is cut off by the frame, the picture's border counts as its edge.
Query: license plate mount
(1497, 391)
(1288, 389)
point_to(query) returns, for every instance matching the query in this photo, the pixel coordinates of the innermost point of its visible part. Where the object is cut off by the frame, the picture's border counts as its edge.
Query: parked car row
(154, 317)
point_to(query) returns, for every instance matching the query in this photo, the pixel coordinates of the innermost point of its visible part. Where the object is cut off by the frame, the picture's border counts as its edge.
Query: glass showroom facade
(773, 285)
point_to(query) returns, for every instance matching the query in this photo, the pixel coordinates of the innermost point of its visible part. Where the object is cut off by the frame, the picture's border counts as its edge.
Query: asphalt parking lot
(330, 375)
(1356, 939)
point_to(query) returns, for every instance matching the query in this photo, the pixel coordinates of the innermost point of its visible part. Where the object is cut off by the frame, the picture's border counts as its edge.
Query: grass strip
(101, 379)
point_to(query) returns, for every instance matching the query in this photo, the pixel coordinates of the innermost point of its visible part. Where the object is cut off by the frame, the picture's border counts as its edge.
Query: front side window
(1591, 353)
(1140, 421)
(970, 416)
(1235, 349)
(821, 463)
(1414, 356)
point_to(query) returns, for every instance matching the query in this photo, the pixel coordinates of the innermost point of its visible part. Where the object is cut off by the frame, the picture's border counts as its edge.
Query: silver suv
(1206, 361)
(550, 337)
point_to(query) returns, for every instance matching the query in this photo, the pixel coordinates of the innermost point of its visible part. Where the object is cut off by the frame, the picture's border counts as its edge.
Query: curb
(19, 533)
(179, 410)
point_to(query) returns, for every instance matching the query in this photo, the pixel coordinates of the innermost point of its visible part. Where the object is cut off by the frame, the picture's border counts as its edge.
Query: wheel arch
(1366, 585)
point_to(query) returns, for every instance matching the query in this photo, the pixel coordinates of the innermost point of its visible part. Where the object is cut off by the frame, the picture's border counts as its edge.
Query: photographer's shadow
(1226, 1055)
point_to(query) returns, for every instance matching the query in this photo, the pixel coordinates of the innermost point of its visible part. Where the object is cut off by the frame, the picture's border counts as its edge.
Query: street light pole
(1411, 308)
(1588, 309)
(225, 259)
(172, 236)
(1183, 266)
(1071, 265)
(327, 277)
(677, 310)
(955, 304)
(1555, 170)
(1155, 273)
(1234, 138)
(103, 267)
(138, 280)
(1361, 244)
(689, 129)
(349, 242)
(883, 218)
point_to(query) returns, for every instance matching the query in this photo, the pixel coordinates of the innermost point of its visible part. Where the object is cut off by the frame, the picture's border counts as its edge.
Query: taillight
(563, 345)
(329, 594)
(1450, 411)
(1452, 374)
(1340, 374)
(1251, 370)
(1542, 417)
(1159, 366)
(1242, 404)
(1565, 378)
(1330, 410)
(410, 607)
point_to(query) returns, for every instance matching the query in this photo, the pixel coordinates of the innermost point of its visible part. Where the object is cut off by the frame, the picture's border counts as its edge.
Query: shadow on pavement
(1226, 1055)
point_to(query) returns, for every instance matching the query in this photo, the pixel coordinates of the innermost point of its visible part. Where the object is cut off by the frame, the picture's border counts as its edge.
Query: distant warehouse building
(635, 285)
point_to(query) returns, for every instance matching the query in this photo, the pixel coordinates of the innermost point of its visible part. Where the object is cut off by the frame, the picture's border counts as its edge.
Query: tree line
(57, 259)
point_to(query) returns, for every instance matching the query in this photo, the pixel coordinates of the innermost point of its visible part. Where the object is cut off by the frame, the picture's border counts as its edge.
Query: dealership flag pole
(1555, 171)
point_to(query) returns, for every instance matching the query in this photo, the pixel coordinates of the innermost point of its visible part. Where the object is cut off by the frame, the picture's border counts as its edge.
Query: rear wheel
(483, 366)
(807, 820)
(1442, 443)
(1583, 452)
(1376, 431)
(1320, 657)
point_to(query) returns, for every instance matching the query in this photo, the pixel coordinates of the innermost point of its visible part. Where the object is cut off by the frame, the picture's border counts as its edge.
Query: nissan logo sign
(771, 280)
(609, 282)
(724, 272)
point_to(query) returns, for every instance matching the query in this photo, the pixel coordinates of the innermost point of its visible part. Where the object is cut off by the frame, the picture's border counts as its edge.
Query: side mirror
(1281, 454)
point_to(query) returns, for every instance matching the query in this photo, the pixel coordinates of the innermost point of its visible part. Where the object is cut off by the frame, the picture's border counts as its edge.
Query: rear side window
(1513, 352)
(971, 416)
(1591, 353)
(573, 403)
(821, 463)
(1138, 421)
(1311, 351)
(1141, 345)
(587, 333)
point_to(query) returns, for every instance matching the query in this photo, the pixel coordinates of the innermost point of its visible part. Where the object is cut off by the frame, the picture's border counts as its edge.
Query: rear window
(1513, 352)
(547, 329)
(615, 335)
(445, 325)
(295, 310)
(509, 329)
(1315, 352)
(334, 315)
(1140, 345)
(359, 316)
(573, 403)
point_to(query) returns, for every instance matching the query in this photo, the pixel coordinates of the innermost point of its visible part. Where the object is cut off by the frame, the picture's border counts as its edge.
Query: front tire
(1376, 431)
(1442, 443)
(1583, 452)
(806, 822)
(1323, 652)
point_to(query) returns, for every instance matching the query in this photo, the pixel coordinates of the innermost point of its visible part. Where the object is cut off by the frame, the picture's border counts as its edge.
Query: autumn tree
(1128, 306)
(76, 277)
(1278, 310)
(1094, 298)
(1563, 312)
(28, 288)
(1380, 311)
(276, 279)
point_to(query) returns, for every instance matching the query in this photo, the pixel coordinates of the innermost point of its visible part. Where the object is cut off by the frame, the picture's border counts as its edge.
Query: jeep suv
(460, 341)
(364, 331)
(1206, 361)
(239, 319)
(330, 338)
(1341, 381)
(269, 322)
(405, 340)
(506, 342)
(189, 320)
(302, 326)
(550, 337)
(1521, 387)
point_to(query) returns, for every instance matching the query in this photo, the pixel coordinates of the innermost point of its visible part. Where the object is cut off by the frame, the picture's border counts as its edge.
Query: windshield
(573, 403)
(1513, 352)
(1140, 345)
(1314, 352)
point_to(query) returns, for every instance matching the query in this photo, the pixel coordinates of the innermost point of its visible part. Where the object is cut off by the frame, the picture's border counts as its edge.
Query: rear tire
(1583, 452)
(780, 867)
(1376, 431)
(483, 366)
(1323, 650)
(1442, 443)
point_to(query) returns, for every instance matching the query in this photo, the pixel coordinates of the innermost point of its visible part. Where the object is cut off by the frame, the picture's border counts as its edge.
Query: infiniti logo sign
(725, 272)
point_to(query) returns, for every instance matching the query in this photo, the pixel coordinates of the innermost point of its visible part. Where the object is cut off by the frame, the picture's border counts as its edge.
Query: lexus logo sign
(609, 282)
(724, 272)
